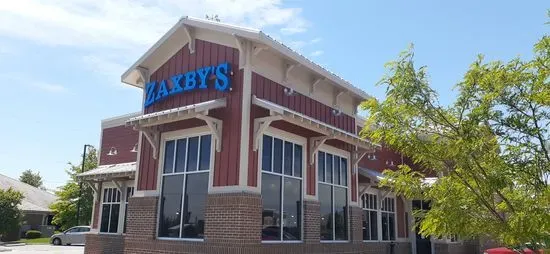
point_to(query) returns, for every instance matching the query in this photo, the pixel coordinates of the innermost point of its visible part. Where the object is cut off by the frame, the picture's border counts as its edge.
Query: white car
(74, 235)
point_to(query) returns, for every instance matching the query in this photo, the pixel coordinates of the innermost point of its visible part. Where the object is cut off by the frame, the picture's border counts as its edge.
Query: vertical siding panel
(199, 64)
(189, 99)
(184, 69)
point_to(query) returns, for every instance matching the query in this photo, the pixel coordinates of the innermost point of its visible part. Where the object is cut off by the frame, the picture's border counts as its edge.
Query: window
(110, 210)
(370, 217)
(282, 163)
(333, 196)
(387, 211)
(129, 194)
(185, 180)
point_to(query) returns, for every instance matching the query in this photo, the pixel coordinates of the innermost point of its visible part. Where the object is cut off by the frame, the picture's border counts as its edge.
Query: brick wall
(104, 244)
(233, 225)
(466, 247)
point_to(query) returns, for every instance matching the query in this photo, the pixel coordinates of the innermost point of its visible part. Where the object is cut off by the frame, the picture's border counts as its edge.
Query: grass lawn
(44, 240)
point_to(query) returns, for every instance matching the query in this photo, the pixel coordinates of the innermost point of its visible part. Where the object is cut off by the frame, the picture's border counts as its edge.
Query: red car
(503, 250)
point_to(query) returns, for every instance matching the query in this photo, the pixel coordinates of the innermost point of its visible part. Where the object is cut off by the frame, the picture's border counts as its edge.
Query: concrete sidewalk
(50, 249)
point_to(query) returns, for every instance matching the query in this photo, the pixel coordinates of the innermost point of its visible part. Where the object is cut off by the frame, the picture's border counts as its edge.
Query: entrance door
(423, 244)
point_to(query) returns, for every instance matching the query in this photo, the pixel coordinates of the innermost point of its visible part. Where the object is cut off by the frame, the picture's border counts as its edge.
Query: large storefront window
(388, 219)
(110, 210)
(282, 163)
(370, 217)
(333, 196)
(184, 187)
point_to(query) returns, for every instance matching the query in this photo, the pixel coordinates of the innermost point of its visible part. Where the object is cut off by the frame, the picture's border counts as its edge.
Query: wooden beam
(314, 85)
(191, 36)
(260, 126)
(314, 145)
(215, 126)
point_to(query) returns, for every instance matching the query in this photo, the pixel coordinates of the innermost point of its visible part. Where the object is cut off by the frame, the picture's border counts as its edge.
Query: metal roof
(255, 36)
(109, 171)
(35, 199)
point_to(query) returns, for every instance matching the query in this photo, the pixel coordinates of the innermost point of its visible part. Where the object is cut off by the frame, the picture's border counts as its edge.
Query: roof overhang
(183, 32)
(148, 123)
(109, 172)
(286, 114)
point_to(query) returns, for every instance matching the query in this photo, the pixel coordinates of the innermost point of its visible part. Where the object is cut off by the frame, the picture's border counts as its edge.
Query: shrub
(33, 234)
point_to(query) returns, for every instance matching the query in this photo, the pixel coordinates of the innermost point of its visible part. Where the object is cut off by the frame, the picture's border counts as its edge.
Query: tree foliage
(31, 178)
(490, 147)
(10, 214)
(65, 208)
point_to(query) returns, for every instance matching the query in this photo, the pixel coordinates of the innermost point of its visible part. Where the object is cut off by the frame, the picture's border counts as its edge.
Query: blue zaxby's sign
(192, 80)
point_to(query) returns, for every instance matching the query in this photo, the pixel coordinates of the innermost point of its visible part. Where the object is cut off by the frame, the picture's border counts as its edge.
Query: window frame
(396, 221)
(106, 185)
(296, 140)
(377, 210)
(102, 203)
(342, 154)
(175, 135)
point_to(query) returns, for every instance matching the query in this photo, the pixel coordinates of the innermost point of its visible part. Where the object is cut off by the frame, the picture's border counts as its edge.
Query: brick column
(142, 218)
(356, 224)
(312, 222)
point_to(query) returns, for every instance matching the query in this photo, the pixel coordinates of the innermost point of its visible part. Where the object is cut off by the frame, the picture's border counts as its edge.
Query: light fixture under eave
(372, 157)
(390, 163)
(289, 91)
(112, 151)
(336, 112)
(135, 148)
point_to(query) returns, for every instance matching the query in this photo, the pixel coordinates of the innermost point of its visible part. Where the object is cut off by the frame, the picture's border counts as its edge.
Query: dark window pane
(366, 225)
(374, 225)
(206, 143)
(337, 170)
(325, 200)
(271, 202)
(105, 212)
(109, 195)
(266, 153)
(181, 154)
(344, 175)
(391, 225)
(321, 166)
(105, 195)
(385, 232)
(192, 153)
(196, 189)
(277, 155)
(298, 160)
(170, 206)
(288, 158)
(292, 209)
(169, 156)
(341, 213)
(328, 168)
(115, 211)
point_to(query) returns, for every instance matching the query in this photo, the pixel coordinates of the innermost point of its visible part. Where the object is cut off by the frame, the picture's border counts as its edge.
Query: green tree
(66, 205)
(31, 178)
(490, 147)
(10, 214)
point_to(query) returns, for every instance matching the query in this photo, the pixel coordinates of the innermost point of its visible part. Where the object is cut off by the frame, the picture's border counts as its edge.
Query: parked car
(74, 235)
(503, 250)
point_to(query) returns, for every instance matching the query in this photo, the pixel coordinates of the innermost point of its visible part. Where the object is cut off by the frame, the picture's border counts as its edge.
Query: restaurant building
(245, 146)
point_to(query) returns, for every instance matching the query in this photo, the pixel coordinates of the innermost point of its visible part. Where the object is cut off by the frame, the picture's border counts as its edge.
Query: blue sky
(61, 61)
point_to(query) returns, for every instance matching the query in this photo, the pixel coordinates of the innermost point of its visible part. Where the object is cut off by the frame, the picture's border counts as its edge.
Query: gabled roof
(179, 31)
(35, 199)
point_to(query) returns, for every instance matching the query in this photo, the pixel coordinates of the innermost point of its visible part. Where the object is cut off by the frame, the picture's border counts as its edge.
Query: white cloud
(315, 40)
(317, 53)
(53, 88)
(111, 34)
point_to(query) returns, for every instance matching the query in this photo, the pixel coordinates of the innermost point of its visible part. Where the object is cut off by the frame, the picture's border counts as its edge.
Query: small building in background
(35, 206)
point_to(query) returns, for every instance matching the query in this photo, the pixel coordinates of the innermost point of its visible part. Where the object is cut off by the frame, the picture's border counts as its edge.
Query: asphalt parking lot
(50, 249)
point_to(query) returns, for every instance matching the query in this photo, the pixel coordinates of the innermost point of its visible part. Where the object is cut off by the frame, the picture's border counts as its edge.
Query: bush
(33, 234)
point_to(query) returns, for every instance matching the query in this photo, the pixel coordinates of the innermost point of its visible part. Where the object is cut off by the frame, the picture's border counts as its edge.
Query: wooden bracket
(336, 99)
(93, 186)
(215, 126)
(118, 185)
(365, 189)
(260, 126)
(314, 145)
(191, 36)
(143, 75)
(258, 48)
(357, 156)
(314, 85)
(288, 69)
(152, 135)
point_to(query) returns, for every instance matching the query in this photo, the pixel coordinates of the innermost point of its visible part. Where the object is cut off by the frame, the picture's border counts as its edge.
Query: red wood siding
(123, 139)
(226, 166)
(269, 90)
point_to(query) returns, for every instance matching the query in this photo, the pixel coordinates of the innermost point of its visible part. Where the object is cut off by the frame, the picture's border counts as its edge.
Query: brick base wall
(233, 225)
(104, 244)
